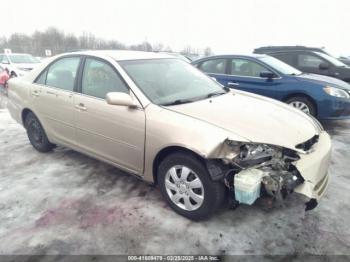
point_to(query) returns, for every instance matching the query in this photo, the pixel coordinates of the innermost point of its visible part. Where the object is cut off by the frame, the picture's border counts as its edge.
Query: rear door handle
(233, 84)
(81, 107)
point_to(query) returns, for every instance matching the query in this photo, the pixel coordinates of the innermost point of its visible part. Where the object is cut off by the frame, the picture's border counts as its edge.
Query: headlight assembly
(251, 154)
(337, 92)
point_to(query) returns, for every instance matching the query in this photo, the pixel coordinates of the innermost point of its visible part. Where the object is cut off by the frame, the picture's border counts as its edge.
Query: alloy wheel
(301, 106)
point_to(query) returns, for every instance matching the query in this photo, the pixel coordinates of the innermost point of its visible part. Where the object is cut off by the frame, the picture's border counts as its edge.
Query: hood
(323, 80)
(256, 118)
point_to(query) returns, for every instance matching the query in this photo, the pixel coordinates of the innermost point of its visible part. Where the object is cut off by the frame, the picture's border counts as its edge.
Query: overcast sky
(227, 26)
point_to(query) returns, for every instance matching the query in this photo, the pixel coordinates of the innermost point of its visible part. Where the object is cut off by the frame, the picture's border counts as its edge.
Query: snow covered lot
(64, 202)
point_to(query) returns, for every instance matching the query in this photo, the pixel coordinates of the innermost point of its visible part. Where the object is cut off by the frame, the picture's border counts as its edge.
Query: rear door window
(62, 73)
(214, 66)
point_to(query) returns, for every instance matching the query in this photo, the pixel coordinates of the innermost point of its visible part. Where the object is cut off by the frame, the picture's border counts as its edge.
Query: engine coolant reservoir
(247, 184)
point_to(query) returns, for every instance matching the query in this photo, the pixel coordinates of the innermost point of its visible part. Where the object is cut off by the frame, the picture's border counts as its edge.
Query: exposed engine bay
(252, 170)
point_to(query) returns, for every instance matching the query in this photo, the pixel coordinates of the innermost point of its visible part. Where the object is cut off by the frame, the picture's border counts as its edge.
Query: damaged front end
(251, 170)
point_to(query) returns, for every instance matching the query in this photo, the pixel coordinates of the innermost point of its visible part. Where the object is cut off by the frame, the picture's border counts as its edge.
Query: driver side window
(306, 60)
(243, 67)
(99, 78)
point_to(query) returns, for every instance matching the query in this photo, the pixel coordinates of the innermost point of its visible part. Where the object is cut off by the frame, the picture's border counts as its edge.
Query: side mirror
(120, 99)
(323, 66)
(267, 74)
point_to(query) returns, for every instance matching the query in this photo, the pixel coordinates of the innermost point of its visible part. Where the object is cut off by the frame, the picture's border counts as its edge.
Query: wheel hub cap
(184, 188)
(301, 106)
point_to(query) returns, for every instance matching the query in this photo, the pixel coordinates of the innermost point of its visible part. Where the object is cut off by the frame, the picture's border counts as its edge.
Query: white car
(18, 64)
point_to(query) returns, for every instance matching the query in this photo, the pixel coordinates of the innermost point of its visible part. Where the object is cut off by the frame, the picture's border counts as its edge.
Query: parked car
(309, 61)
(273, 49)
(345, 60)
(18, 64)
(163, 120)
(321, 96)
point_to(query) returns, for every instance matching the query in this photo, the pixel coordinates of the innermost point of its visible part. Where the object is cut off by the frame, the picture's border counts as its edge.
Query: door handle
(51, 93)
(81, 107)
(35, 93)
(233, 84)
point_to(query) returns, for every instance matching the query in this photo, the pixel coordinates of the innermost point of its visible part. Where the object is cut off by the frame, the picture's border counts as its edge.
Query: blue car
(321, 96)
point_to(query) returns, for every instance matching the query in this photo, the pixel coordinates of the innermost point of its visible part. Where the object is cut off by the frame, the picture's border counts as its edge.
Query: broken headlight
(255, 154)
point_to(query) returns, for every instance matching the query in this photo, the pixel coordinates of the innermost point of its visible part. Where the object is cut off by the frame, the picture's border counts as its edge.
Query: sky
(227, 26)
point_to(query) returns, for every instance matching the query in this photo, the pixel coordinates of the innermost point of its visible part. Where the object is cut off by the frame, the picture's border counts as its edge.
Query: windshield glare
(280, 66)
(23, 59)
(331, 59)
(165, 81)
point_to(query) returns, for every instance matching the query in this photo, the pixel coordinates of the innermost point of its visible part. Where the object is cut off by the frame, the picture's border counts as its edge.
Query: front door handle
(233, 84)
(51, 93)
(81, 107)
(35, 93)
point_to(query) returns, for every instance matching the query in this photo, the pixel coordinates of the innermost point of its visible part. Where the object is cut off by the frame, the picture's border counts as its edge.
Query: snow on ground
(64, 202)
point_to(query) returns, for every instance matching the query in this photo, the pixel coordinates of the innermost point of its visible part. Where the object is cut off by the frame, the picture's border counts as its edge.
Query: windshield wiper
(178, 102)
(215, 94)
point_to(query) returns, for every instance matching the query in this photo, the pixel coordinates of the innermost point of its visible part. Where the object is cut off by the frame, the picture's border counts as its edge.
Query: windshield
(171, 81)
(23, 59)
(280, 66)
(331, 59)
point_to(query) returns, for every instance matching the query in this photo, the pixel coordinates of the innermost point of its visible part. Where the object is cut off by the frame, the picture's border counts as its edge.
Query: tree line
(59, 42)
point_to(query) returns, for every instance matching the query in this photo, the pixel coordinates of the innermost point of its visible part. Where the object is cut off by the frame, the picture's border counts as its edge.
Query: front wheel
(36, 134)
(186, 186)
(302, 103)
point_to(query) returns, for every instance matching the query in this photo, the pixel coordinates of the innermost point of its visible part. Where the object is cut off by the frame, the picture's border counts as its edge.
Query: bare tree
(58, 42)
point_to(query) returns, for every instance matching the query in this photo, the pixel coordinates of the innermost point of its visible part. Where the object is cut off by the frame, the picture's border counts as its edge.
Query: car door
(215, 68)
(310, 62)
(53, 94)
(245, 75)
(115, 133)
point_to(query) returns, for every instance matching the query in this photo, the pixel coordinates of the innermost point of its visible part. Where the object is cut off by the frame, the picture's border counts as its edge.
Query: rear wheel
(186, 186)
(36, 134)
(302, 103)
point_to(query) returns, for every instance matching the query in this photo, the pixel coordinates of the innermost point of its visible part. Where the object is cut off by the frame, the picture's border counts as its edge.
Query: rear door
(115, 133)
(53, 93)
(216, 68)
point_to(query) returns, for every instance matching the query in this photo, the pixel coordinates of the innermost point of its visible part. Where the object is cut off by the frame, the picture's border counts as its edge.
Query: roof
(288, 48)
(257, 56)
(121, 55)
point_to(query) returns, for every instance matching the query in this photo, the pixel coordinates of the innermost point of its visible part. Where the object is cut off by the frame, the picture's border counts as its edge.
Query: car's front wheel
(302, 103)
(36, 134)
(186, 186)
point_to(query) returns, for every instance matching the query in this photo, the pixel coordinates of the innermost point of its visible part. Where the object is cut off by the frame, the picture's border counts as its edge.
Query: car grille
(307, 145)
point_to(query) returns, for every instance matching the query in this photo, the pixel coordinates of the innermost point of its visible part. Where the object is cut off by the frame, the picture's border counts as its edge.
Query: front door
(115, 133)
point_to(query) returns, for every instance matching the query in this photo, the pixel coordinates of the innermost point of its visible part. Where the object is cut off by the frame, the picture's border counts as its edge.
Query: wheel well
(25, 113)
(167, 151)
(302, 95)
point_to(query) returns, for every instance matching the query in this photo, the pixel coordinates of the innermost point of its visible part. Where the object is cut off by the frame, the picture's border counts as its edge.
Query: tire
(301, 103)
(212, 193)
(36, 134)
(13, 74)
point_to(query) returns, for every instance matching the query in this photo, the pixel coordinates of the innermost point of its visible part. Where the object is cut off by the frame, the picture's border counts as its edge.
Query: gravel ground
(64, 202)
